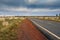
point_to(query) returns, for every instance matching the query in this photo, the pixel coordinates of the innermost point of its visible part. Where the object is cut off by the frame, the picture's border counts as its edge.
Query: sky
(29, 7)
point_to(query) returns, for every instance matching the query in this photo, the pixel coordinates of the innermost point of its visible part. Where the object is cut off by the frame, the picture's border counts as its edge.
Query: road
(50, 28)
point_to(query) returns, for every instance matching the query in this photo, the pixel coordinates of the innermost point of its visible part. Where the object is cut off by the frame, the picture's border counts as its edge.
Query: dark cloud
(23, 3)
(51, 5)
(13, 3)
(55, 6)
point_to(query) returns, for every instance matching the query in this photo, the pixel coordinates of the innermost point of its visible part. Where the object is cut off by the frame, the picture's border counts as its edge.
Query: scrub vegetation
(8, 28)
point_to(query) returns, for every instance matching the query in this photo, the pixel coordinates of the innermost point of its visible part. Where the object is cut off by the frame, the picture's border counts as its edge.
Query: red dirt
(27, 31)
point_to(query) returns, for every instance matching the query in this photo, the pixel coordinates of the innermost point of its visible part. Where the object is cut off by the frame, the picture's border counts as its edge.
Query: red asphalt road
(27, 31)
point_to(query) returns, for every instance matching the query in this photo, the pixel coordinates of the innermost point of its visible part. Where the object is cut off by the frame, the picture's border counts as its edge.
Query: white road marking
(46, 30)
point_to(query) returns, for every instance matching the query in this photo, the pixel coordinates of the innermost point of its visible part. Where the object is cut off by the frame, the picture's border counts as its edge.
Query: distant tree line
(58, 15)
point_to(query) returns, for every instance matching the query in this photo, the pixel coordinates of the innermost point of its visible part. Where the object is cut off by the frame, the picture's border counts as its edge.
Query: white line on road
(46, 30)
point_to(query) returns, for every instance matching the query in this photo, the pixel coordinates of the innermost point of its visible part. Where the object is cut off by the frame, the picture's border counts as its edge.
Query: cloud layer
(31, 3)
(29, 6)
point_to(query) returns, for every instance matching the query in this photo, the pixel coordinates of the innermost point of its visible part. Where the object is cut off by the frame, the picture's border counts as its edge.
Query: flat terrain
(29, 29)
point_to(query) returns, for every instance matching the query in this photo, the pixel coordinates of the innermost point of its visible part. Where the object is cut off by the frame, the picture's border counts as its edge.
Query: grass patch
(9, 32)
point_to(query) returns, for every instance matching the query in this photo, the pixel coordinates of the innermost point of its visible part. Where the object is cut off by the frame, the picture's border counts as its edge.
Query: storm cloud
(53, 4)
(29, 6)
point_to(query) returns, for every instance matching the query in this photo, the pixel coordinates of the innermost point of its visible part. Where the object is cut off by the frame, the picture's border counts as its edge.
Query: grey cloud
(14, 3)
(51, 5)
(23, 3)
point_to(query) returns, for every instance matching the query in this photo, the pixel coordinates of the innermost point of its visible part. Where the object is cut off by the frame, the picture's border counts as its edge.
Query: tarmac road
(50, 28)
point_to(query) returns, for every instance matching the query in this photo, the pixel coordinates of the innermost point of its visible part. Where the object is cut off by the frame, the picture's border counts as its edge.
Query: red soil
(27, 31)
